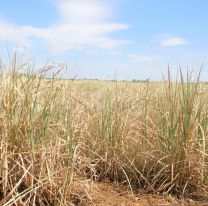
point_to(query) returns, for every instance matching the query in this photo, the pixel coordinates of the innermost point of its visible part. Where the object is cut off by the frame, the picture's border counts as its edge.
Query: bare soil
(106, 194)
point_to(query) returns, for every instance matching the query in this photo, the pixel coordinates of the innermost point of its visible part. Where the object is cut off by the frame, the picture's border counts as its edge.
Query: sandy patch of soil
(105, 194)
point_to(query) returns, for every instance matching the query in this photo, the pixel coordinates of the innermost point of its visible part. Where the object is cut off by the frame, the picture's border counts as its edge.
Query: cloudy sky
(105, 39)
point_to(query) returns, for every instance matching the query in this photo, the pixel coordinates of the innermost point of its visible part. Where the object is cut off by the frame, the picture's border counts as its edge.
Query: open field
(60, 137)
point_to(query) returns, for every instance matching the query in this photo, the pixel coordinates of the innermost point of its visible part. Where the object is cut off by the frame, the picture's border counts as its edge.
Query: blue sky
(126, 39)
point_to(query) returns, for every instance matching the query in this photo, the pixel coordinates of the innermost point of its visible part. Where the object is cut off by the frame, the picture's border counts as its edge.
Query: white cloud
(80, 11)
(173, 41)
(81, 24)
(114, 53)
(143, 58)
(10, 32)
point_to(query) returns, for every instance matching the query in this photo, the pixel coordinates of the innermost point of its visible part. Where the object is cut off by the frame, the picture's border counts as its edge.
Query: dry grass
(55, 135)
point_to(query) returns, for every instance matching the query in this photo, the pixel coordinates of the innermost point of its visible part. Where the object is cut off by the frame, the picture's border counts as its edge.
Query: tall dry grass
(55, 134)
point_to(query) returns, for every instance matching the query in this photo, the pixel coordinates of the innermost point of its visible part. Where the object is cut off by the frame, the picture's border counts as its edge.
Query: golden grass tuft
(55, 134)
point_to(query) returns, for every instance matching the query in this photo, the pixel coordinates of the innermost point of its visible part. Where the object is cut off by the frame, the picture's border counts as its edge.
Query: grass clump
(55, 134)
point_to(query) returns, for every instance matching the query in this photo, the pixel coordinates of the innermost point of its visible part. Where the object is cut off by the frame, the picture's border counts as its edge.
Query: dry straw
(55, 134)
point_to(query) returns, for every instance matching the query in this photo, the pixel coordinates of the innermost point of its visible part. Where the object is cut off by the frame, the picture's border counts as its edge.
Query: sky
(108, 39)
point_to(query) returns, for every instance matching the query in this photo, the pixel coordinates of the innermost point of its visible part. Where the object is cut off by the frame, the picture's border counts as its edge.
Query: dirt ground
(105, 194)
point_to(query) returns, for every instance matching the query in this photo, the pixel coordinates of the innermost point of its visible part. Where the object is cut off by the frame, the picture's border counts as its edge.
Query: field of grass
(57, 136)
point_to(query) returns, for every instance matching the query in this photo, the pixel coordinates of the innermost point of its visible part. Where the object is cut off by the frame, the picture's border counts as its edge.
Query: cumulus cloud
(81, 24)
(11, 32)
(173, 41)
(80, 11)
